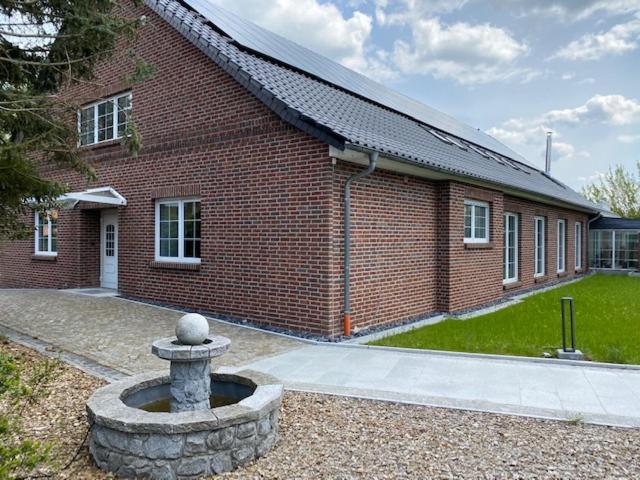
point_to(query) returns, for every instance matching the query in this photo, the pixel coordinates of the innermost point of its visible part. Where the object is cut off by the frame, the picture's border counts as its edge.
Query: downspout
(373, 158)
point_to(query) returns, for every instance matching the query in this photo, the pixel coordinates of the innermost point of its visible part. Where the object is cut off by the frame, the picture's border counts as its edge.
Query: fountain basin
(132, 442)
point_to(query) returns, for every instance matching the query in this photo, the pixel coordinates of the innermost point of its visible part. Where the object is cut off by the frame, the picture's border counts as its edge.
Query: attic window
(104, 120)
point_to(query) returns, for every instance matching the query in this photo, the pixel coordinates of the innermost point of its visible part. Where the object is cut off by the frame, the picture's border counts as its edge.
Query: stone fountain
(189, 423)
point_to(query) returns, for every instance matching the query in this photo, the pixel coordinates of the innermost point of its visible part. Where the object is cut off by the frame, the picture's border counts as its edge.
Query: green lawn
(607, 324)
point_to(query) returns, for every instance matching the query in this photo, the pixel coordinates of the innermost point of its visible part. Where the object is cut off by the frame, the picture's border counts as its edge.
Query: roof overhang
(102, 195)
(355, 154)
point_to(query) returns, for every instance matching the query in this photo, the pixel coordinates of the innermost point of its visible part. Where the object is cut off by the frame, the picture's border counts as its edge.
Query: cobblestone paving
(118, 333)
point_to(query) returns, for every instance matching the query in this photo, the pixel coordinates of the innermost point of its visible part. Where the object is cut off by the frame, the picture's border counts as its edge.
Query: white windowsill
(178, 260)
(46, 254)
(476, 240)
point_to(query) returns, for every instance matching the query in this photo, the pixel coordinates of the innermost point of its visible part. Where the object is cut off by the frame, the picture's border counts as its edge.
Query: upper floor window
(476, 221)
(46, 234)
(104, 120)
(178, 232)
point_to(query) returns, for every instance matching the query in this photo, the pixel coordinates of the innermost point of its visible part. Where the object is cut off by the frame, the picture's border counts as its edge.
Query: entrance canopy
(102, 195)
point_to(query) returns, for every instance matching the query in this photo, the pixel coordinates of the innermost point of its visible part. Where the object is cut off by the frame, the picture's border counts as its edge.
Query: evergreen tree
(45, 47)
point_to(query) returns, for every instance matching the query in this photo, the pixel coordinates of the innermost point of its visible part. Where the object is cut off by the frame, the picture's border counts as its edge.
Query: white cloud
(587, 81)
(629, 138)
(568, 76)
(469, 54)
(620, 39)
(612, 109)
(570, 10)
(592, 178)
(403, 12)
(608, 109)
(319, 26)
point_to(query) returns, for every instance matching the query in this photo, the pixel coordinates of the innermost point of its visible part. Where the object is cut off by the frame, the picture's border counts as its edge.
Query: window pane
(54, 235)
(87, 126)
(168, 248)
(124, 112)
(168, 212)
(480, 220)
(169, 229)
(105, 121)
(191, 229)
(467, 221)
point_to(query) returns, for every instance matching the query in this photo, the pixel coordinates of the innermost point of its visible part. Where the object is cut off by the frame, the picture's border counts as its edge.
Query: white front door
(109, 249)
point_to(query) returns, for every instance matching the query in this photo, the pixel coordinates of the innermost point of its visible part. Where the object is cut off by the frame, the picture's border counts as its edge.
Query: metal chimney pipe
(547, 165)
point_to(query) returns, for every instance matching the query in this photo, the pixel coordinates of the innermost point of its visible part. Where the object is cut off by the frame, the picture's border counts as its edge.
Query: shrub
(17, 454)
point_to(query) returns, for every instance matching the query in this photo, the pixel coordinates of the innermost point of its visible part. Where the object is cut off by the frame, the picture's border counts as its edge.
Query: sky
(513, 68)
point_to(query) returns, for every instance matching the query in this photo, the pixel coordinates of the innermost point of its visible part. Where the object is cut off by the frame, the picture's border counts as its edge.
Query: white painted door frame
(109, 249)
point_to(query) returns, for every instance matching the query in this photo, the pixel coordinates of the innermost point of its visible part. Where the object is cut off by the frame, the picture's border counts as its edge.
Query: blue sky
(514, 68)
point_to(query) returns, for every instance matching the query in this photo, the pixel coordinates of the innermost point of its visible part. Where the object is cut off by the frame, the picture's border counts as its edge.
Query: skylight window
(440, 137)
(457, 143)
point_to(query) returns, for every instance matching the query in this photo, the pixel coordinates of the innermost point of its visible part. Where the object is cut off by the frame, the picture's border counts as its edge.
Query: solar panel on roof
(272, 45)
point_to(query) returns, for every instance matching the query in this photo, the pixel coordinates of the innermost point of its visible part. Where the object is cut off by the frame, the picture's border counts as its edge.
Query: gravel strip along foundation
(327, 437)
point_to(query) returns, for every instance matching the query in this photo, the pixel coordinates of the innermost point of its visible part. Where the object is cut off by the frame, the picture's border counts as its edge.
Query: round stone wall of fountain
(188, 423)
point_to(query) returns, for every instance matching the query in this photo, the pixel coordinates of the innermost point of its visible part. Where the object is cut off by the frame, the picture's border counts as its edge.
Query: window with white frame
(562, 244)
(104, 120)
(476, 221)
(510, 256)
(178, 230)
(578, 246)
(46, 233)
(539, 246)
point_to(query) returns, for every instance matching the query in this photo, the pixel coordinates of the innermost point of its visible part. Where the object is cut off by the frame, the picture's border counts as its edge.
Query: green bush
(19, 456)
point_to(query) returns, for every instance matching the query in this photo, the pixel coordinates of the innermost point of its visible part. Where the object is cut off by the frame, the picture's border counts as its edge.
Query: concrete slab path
(592, 394)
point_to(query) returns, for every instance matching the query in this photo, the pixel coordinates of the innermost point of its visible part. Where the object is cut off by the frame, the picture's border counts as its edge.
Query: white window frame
(561, 244)
(578, 246)
(48, 251)
(94, 105)
(539, 222)
(473, 238)
(507, 280)
(180, 258)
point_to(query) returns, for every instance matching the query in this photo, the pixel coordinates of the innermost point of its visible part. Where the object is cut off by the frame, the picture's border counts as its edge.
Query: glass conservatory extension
(614, 249)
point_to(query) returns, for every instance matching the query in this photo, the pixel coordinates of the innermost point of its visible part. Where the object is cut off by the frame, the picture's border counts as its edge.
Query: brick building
(235, 205)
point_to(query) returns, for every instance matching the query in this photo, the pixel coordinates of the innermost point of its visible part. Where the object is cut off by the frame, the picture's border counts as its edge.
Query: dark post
(563, 302)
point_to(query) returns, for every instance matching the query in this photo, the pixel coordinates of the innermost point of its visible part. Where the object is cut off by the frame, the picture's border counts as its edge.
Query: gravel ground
(340, 438)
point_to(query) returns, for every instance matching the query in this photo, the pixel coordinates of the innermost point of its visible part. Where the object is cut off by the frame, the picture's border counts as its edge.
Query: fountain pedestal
(190, 370)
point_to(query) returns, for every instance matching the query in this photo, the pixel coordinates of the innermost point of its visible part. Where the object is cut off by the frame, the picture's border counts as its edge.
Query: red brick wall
(409, 258)
(393, 253)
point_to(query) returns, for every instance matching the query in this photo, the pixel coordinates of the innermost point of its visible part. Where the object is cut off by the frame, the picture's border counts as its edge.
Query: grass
(607, 313)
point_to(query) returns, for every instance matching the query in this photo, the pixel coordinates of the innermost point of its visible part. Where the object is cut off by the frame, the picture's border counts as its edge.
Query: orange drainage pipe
(347, 324)
(373, 158)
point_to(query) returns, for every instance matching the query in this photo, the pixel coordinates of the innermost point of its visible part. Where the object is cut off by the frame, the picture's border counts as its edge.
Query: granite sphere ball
(192, 329)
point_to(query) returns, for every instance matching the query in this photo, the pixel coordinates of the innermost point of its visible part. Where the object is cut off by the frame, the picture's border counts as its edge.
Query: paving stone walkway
(118, 333)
